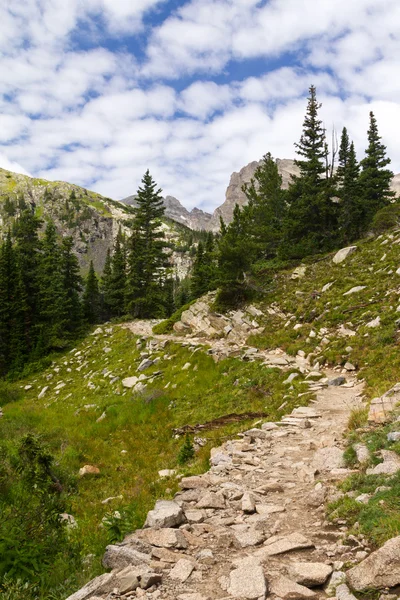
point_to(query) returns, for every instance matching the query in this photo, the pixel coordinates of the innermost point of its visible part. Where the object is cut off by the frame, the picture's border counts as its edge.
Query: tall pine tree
(147, 258)
(349, 192)
(7, 299)
(91, 297)
(266, 208)
(72, 283)
(117, 281)
(375, 178)
(311, 221)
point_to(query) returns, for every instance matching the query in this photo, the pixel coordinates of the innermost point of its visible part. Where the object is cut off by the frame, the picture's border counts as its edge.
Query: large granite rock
(381, 408)
(381, 569)
(247, 582)
(343, 254)
(166, 513)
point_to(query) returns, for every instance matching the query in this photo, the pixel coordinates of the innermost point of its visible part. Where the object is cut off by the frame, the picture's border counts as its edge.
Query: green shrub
(386, 218)
(186, 453)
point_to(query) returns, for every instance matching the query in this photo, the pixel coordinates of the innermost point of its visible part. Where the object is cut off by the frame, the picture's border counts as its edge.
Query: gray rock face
(380, 570)
(166, 513)
(235, 195)
(98, 586)
(389, 466)
(194, 219)
(165, 538)
(281, 544)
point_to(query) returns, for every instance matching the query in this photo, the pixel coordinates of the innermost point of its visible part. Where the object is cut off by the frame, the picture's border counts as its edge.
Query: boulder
(281, 544)
(211, 500)
(193, 483)
(284, 588)
(337, 381)
(381, 569)
(343, 254)
(248, 503)
(145, 364)
(182, 570)
(381, 408)
(374, 323)
(343, 593)
(130, 382)
(389, 466)
(247, 582)
(165, 538)
(336, 579)
(98, 586)
(299, 272)
(166, 513)
(310, 574)
(120, 556)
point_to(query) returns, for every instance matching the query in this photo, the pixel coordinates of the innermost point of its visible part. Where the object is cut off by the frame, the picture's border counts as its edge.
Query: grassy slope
(141, 425)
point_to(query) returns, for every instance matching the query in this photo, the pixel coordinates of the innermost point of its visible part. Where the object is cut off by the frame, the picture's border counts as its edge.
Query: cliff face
(195, 219)
(89, 218)
(234, 194)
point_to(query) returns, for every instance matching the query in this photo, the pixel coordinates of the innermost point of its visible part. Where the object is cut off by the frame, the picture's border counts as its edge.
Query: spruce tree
(311, 222)
(105, 287)
(7, 298)
(234, 260)
(266, 208)
(117, 281)
(349, 192)
(91, 297)
(51, 296)
(72, 284)
(375, 178)
(147, 258)
(199, 283)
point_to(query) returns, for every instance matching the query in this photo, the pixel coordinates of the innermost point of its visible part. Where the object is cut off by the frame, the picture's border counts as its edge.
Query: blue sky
(96, 91)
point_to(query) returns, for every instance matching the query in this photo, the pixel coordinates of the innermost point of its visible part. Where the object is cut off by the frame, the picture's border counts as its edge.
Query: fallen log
(219, 422)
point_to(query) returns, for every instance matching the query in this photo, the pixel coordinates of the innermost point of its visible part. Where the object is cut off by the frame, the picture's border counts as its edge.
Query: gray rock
(120, 556)
(343, 593)
(381, 408)
(130, 382)
(327, 459)
(337, 381)
(343, 254)
(362, 453)
(211, 500)
(248, 503)
(349, 366)
(355, 290)
(393, 436)
(99, 586)
(381, 569)
(291, 378)
(182, 570)
(166, 513)
(363, 498)
(310, 574)
(165, 538)
(281, 544)
(249, 537)
(284, 588)
(389, 466)
(374, 323)
(247, 582)
(193, 483)
(336, 579)
(145, 364)
(43, 391)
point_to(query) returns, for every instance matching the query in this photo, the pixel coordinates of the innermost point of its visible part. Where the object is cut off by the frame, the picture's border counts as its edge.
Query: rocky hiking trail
(254, 525)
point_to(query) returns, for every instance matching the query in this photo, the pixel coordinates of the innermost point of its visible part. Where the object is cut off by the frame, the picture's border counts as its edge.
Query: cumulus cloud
(96, 92)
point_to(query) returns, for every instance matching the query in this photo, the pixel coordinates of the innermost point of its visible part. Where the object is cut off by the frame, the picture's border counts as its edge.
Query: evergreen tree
(51, 291)
(117, 281)
(147, 258)
(105, 287)
(199, 283)
(234, 259)
(349, 191)
(311, 221)
(375, 178)
(91, 297)
(72, 283)
(266, 208)
(28, 253)
(7, 299)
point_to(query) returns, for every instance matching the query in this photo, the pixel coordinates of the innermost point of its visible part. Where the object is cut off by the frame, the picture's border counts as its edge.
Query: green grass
(167, 326)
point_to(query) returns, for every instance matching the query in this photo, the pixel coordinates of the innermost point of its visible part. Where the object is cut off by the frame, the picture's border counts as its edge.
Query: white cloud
(100, 117)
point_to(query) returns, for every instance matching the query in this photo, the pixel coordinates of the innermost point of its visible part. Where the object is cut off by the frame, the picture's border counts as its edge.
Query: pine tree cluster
(324, 207)
(40, 286)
